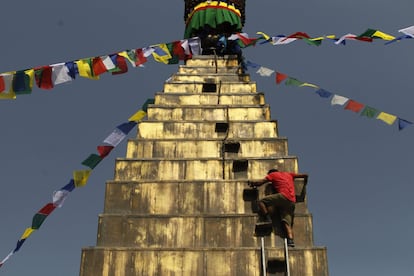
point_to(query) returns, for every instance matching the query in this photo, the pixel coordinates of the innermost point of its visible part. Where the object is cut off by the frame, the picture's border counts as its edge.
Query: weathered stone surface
(176, 205)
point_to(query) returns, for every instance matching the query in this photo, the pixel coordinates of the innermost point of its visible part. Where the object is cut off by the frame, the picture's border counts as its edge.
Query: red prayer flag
(43, 76)
(247, 41)
(47, 209)
(2, 84)
(299, 35)
(121, 64)
(141, 59)
(98, 66)
(178, 50)
(354, 106)
(280, 77)
(104, 150)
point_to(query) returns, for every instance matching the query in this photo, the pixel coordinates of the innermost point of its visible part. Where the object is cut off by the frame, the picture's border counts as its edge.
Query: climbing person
(283, 200)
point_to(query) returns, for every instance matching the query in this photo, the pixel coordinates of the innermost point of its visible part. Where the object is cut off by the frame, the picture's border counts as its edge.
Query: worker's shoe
(290, 242)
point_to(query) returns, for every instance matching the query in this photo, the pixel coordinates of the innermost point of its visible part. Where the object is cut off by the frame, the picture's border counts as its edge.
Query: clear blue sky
(360, 187)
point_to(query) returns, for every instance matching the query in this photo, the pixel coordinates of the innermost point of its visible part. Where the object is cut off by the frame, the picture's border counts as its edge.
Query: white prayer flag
(60, 73)
(108, 63)
(265, 72)
(195, 46)
(282, 40)
(408, 31)
(338, 100)
(59, 197)
(347, 36)
(115, 137)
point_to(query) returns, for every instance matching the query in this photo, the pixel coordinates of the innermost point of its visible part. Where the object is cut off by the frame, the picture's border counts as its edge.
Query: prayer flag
(129, 55)
(60, 74)
(245, 40)
(108, 63)
(138, 116)
(370, 112)
(195, 46)
(354, 106)
(43, 76)
(161, 53)
(115, 137)
(2, 84)
(73, 69)
(338, 100)
(293, 81)
(387, 118)
(81, 177)
(47, 209)
(27, 233)
(309, 85)
(280, 77)
(265, 36)
(147, 102)
(70, 186)
(140, 58)
(8, 92)
(6, 258)
(21, 83)
(280, 40)
(121, 65)
(18, 245)
(403, 123)
(251, 64)
(38, 220)
(85, 70)
(383, 36)
(265, 72)
(59, 197)
(104, 150)
(92, 161)
(98, 66)
(323, 93)
(175, 58)
(126, 127)
(408, 31)
(186, 48)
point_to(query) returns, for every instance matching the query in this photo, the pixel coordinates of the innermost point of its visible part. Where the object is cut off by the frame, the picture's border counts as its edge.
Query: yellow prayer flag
(27, 233)
(387, 118)
(125, 55)
(383, 35)
(85, 69)
(81, 177)
(30, 73)
(309, 85)
(8, 93)
(265, 36)
(161, 53)
(138, 116)
(331, 36)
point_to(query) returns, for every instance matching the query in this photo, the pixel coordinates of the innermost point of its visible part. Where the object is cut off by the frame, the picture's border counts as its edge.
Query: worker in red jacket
(283, 199)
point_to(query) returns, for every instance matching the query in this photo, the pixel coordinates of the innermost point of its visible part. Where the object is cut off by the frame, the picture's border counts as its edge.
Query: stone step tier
(206, 148)
(199, 169)
(191, 198)
(125, 261)
(207, 129)
(209, 113)
(193, 231)
(185, 99)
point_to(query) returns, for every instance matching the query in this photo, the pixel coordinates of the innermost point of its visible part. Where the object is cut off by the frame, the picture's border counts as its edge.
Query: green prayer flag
(92, 161)
(369, 112)
(368, 33)
(293, 81)
(147, 102)
(37, 221)
(316, 42)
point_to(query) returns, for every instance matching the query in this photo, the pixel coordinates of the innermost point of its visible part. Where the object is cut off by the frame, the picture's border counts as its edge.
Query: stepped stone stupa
(176, 205)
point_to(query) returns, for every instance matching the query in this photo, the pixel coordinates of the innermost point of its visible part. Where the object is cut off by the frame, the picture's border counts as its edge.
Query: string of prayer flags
(47, 77)
(349, 104)
(80, 177)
